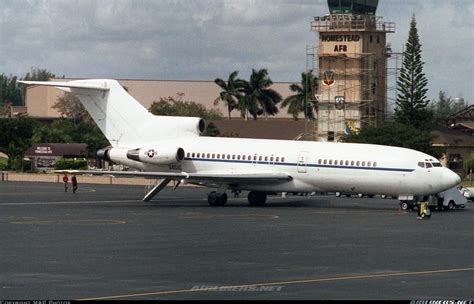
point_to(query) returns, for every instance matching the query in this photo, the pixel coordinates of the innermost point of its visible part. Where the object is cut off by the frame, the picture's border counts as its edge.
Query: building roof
(443, 136)
(466, 114)
(40, 99)
(56, 149)
(264, 129)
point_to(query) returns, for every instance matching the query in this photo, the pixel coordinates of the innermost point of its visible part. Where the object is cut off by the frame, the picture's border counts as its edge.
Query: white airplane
(171, 148)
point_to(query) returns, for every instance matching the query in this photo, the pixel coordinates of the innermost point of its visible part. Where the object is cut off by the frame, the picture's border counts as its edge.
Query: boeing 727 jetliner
(171, 148)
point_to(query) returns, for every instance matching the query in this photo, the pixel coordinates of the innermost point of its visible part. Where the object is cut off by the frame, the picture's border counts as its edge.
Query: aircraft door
(302, 162)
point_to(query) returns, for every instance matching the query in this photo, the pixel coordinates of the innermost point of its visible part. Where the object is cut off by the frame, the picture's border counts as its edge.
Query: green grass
(467, 183)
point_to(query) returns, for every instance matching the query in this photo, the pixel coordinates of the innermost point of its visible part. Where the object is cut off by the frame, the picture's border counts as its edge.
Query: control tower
(351, 61)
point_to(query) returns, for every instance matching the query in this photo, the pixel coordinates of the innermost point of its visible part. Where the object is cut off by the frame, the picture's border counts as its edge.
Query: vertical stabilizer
(121, 118)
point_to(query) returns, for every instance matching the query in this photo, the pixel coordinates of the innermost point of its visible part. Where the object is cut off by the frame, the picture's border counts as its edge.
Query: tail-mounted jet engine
(160, 156)
(104, 153)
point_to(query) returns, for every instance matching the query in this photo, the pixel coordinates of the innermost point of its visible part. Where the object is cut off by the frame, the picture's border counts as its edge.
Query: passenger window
(218, 156)
(271, 158)
(428, 165)
(213, 155)
(260, 158)
(336, 162)
(238, 157)
(341, 162)
(421, 164)
(250, 157)
(228, 156)
(278, 159)
(375, 164)
(243, 157)
(188, 154)
(363, 164)
(352, 163)
(358, 163)
(282, 159)
(233, 156)
(319, 161)
(325, 161)
(193, 155)
(208, 155)
(347, 163)
(330, 161)
(266, 158)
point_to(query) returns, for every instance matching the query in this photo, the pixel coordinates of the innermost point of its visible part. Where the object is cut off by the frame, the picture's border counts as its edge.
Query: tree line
(254, 97)
(414, 114)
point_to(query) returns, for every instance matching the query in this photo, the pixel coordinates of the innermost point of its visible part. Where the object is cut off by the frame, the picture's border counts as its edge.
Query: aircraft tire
(450, 206)
(216, 200)
(404, 205)
(256, 198)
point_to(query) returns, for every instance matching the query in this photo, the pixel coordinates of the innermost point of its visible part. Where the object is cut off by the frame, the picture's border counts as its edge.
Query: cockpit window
(421, 164)
(428, 165)
(436, 164)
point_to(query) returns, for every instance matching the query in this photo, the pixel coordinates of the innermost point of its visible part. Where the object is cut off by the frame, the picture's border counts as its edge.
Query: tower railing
(351, 22)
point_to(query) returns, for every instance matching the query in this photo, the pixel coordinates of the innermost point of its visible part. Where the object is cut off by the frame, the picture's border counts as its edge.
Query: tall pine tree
(412, 104)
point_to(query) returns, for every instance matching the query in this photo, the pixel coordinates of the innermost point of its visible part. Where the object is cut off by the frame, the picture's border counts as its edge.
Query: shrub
(65, 164)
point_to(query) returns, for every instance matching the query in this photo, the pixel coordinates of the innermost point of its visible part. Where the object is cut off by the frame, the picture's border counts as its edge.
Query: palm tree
(304, 100)
(231, 91)
(258, 98)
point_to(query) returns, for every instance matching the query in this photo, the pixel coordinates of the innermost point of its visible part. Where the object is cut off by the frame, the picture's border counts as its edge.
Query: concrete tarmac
(105, 243)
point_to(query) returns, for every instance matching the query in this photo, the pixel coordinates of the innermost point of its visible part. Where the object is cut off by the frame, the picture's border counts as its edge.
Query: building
(40, 99)
(44, 156)
(351, 61)
(456, 139)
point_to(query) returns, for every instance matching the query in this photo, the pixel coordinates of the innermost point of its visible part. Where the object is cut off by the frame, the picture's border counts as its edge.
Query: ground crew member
(440, 201)
(65, 180)
(74, 183)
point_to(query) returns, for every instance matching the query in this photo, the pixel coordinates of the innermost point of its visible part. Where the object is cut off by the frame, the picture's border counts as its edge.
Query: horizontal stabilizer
(68, 84)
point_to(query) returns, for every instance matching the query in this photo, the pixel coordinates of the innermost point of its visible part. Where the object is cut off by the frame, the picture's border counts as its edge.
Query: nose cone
(450, 179)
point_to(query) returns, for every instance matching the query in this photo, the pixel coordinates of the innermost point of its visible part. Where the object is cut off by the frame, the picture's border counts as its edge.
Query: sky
(206, 39)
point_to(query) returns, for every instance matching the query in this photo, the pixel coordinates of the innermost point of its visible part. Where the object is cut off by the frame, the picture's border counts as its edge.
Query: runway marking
(83, 190)
(211, 216)
(153, 203)
(70, 222)
(66, 203)
(306, 281)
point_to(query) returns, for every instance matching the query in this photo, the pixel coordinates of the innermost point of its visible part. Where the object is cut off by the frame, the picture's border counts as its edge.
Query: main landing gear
(216, 199)
(255, 198)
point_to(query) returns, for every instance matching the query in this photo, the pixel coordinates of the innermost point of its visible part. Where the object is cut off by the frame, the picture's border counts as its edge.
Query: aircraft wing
(210, 177)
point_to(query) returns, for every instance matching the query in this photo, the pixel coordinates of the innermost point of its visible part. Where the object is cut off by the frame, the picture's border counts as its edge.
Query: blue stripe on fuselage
(295, 164)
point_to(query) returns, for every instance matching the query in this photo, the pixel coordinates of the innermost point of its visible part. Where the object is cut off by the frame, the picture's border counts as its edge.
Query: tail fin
(122, 119)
